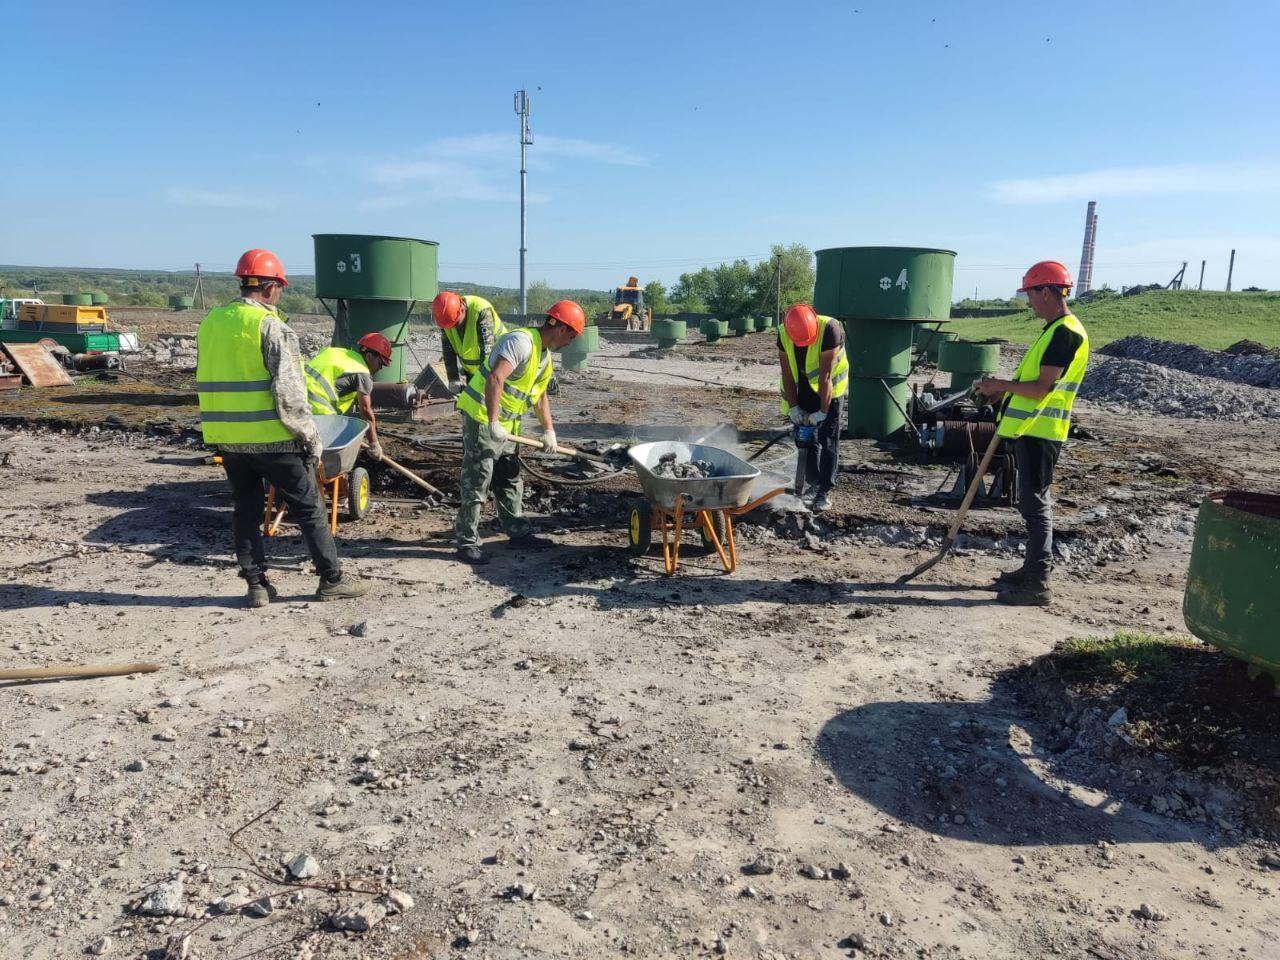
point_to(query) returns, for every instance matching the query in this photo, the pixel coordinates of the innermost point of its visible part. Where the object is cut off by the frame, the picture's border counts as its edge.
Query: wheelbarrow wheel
(357, 493)
(639, 527)
(718, 525)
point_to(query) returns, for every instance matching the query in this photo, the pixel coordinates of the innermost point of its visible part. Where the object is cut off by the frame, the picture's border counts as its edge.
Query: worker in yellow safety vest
(254, 411)
(1036, 418)
(469, 327)
(512, 381)
(339, 380)
(815, 381)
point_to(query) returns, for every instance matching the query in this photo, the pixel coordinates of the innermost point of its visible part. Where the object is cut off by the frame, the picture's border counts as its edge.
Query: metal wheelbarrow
(337, 474)
(714, 500)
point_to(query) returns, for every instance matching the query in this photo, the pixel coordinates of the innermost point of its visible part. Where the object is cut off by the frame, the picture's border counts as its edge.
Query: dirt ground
(567, 754)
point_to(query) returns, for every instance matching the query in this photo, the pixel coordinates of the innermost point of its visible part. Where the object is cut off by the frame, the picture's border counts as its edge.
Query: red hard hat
(1046, 273)
(376, 343)
(801, 324)
(262, 264)
(447, 309)
(570, 314)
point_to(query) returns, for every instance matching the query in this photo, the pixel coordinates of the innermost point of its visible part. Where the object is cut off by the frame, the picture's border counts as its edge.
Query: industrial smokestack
(1084, 282)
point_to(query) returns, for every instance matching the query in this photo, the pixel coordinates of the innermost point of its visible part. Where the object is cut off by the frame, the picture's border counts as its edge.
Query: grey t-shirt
(361, 383)
(516, 348)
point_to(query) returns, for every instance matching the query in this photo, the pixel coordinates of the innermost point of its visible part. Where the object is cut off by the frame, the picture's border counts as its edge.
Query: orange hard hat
(447, 309)
(570, 314)
(376, 343)
(1046, 273)
(801, 324)
(261, 265)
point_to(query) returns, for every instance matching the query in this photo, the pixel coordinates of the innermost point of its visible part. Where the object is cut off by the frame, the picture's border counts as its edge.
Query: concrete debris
(359, 917)
(397, 901)
(669, 466)
(1148, 912)
(764, 864)
(1244, 362)
(1150, 388)
(303, 867)
(100, 947)
(165, 899)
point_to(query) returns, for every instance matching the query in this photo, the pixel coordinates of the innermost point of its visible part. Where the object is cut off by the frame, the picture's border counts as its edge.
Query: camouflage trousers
(488, 466)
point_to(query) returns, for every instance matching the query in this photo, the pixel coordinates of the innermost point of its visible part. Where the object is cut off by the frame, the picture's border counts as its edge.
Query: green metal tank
(180, 302)
(78, 299)
(377, 282)
(1232, 598)
(880, 293)
(98, 299)
(935, 344)
(668, 332)
(741, 326)
(968, 360)
(714, 330)
(578, 351)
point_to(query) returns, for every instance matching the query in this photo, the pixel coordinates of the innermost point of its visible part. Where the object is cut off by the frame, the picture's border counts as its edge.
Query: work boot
(1029, 593)
(472, 555)
(1011, 578)
(531, 542)
(821, 502)
(346, 587)
(261, 592)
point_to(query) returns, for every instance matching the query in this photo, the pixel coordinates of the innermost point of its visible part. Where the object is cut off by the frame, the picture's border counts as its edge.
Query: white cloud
(222, 200)
(588, 150)
(1257, 178)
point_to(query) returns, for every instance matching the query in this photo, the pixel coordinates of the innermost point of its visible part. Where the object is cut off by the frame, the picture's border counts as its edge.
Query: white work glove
(375, 450)
(456, 386)
(498, 431)
(817, 417)
(549, 440)
(796, 415)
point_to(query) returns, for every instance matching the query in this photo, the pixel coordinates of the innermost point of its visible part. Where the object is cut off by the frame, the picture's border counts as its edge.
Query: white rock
(359, 917)
(100, 946)
(303, 867)
(165, 900)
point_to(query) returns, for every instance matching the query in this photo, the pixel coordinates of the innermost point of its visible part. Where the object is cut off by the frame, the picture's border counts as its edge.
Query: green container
(968, 360)
(98, 299)
(741, 326)
(936, 343)
(179, 302)
(577, 352)
(906, 283)
(872, 413)
(78, 299)
(878, 348)
(667, 332)
(381, 279)
(714, 330)
(767, 323)
(75, 342)
(1232, 598)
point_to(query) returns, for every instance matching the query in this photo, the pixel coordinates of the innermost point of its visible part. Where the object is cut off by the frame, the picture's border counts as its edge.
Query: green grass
(1126, 656)
(1206, 318)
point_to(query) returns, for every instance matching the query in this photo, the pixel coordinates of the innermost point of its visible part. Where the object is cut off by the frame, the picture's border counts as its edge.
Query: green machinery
(968, 360)
(880, 294)
(1232, 598)
(376, 283)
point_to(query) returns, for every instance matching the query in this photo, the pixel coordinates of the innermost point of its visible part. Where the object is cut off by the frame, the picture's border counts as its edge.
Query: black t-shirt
(832, 337)
(1062, 348)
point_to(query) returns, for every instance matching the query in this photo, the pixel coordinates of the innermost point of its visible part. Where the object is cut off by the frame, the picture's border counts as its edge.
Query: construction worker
(254, 410)
(338, 379)
(469, 327)
(512, 380)
(815, 344)
(1036, 418)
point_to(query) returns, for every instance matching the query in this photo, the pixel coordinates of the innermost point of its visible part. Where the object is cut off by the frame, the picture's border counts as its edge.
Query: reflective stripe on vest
(813, 368)
(518, 395)
(232, 380)
(465, 337)
(1050, 417)
(322, 373)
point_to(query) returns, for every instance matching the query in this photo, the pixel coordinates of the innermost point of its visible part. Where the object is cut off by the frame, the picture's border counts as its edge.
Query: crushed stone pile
(1239, 364)
(1152, 388)
(174, 351)
(669, 466)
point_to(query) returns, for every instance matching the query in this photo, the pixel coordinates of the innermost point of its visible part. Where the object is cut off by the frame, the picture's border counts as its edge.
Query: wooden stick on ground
(89, 670)
(969, 494)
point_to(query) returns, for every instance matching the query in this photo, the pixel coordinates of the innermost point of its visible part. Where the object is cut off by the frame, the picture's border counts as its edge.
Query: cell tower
(1084, 282)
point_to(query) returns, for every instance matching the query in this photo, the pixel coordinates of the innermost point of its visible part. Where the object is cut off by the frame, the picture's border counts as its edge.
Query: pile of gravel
(1254, 369)
(177, 352)
(1151, 388)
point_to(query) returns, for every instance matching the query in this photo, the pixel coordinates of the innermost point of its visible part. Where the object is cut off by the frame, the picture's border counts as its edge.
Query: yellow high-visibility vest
(517, 395)
(465, 337)
(322, 373)
(1050, 417)
(232, 380)
(813, 361)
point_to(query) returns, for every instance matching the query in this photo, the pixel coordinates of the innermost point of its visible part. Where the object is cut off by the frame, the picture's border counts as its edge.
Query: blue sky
(667, 135)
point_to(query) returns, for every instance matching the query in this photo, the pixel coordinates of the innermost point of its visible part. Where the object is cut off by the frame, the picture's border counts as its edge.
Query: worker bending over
(512, 380)
(469, 327)
(254, 411)
(815, 345)
(339, 379)
(1036, 417)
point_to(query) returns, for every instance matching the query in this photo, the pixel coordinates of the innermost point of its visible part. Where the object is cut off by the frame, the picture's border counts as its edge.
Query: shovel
(969, 494)
(564, 448)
